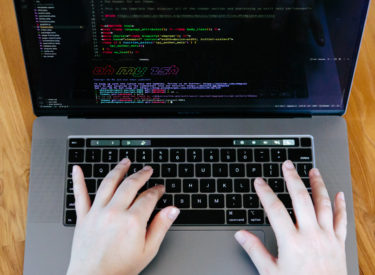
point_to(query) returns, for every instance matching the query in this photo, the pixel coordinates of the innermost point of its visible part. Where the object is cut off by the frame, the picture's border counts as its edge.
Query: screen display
(160, 56)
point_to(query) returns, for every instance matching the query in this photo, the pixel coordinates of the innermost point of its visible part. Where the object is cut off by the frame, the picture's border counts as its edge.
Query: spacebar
(201, 217)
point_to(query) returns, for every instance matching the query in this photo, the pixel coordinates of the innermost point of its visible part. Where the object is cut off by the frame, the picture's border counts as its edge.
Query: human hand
(316, 244)
(111, 236)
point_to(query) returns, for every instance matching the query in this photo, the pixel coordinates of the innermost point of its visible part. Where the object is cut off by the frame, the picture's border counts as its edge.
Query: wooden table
(16, 118)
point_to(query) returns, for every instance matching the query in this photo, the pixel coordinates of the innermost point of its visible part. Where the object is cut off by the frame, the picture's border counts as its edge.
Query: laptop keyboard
(211, 180)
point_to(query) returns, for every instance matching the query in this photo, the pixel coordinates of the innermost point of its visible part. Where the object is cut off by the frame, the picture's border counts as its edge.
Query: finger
(277, 214)
(262, 259)
(340, 217)
(81, 196)
(159, 227)
(110, 182)
(322, 202)
(302, 204)
(146, 202)
(128, 189)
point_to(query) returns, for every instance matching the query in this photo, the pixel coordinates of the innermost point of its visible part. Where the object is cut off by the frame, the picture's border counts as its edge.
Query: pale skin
(112, 236)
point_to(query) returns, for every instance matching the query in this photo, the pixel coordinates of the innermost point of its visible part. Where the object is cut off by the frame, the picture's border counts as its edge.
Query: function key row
(169, 170)
(190, 142)
(190, 155)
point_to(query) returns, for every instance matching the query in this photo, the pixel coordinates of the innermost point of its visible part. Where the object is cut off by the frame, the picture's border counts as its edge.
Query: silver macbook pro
(210, 93)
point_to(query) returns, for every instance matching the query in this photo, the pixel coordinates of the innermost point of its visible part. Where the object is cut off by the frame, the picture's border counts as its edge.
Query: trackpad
(202, 252)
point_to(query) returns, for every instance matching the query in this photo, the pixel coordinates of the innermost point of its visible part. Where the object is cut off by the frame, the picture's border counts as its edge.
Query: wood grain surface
(16, 117)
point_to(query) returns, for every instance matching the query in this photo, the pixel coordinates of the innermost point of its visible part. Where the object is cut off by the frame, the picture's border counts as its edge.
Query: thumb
(159, 227)
(260, 256)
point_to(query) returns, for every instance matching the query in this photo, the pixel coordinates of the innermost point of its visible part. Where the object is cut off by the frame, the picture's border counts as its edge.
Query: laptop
(210, 93)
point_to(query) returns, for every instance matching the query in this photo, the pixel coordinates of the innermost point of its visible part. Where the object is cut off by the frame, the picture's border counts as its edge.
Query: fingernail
(315, 172)
(173, 213)
(124, 161)
(147, 168)
(75, 167)
(259, 181)
(239, 236)
(342, 196)
(288, 164)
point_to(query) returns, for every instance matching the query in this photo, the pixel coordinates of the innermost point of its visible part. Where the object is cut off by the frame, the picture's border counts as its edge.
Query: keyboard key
(154, 182)
(270, 170)
(186, 170)
(303, 169)
(245, 155)
(286, 200)
(207, 185)
(155, 170)
(177, 155)
(216, 201)
(224, 185)
(70, 201)
(169, 170)
(91, 185)
(250, 201)
(194, 155)
(166, 200)
(143, 155)
(277, 185)
(182, 201)
(76, 142)
(306, 182)
(160, 155)
(220, 170)
(254, 170)
(237, 170)
(199, 201)
(300, 155)
(173, 185)
(127, 153)
(76, 155)
(255, 217)
(291, 214)
(228, 155)
(69, 186)
(200, 217)
(98, 183)
(203, 170)
(233, 201)
(101, 170)
(211, 155)
(92, 198)
(278, 155)
(86, 168)
(190, 185)
(241, 185)
(262, 155)
(70, 217)
(110, 155)
(93, 155)
(236, 216)
(306, 142)
(134, 168)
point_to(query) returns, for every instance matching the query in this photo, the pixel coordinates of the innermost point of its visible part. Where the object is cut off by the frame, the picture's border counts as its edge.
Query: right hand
(316, 244)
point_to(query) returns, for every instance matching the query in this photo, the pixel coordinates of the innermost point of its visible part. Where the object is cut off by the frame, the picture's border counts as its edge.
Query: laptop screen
(190, 56)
